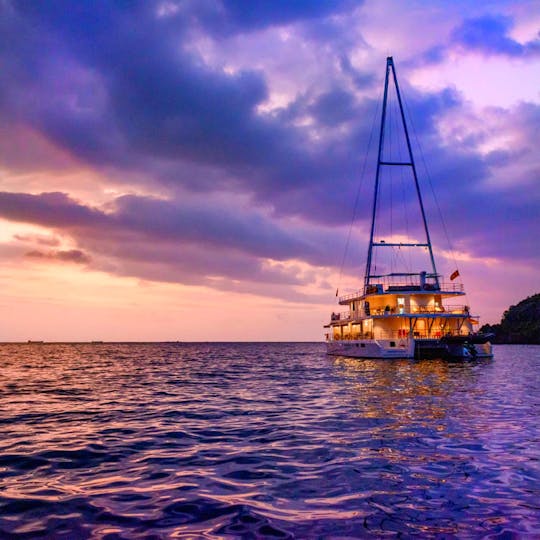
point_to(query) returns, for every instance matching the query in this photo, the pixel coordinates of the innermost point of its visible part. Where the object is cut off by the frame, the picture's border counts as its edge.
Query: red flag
(454, 275)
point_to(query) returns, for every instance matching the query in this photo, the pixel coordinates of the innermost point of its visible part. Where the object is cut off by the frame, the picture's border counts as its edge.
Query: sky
(200, 170)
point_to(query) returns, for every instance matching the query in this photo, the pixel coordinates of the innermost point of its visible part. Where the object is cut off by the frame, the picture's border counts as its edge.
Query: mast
(377, 174)
(410, 163)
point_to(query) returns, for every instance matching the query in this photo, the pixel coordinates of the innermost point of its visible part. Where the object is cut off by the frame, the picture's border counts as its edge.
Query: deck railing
(351, 316)
(446, 286)
(395, 334)
(439, 309)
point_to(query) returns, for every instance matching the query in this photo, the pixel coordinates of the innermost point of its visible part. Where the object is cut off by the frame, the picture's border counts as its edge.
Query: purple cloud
(491, 34)
(132, 92)
(166, 241)
(49, 209)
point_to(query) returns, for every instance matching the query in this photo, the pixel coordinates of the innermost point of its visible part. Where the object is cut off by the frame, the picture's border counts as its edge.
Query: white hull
(404, 348)
(372, 348)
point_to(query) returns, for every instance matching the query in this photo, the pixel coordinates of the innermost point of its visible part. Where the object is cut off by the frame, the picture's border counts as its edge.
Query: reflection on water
(265, 440)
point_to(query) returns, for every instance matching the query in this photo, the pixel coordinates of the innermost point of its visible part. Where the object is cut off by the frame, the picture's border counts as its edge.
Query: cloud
(333, 107)
(70, 256)
(254, 164)
(245, 231)
(42, 240)
(133, 99)
(490, 34)
(232, 16)
(192, 243)
(50, 209)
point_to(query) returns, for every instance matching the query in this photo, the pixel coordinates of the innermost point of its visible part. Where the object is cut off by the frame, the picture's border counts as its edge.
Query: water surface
(265, 441)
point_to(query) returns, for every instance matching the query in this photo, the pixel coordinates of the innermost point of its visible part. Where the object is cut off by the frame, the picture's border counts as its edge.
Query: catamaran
(404, 314)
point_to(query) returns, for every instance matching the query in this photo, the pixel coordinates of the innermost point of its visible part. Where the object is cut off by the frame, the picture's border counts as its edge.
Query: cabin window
(392, 344)
(362, 344)
(401, 305)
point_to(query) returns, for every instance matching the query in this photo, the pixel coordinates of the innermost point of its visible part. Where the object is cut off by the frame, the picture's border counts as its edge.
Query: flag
(454, 275)
(337, 290)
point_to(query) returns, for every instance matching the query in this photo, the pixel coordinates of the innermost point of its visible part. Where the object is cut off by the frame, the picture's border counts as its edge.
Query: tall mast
(377, 174)
(410, 163)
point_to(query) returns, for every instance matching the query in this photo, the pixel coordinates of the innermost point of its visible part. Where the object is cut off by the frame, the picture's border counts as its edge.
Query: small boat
(397, 313)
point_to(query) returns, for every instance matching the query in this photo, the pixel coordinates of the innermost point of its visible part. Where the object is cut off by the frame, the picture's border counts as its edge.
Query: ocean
(265, 440)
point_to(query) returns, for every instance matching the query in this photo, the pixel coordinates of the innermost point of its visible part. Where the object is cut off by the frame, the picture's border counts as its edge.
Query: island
(519, 324)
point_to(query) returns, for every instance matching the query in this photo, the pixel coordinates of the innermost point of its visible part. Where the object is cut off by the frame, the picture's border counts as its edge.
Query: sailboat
(398, 313)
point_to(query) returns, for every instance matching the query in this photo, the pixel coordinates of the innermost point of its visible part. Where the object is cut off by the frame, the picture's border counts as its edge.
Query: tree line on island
(519, 324)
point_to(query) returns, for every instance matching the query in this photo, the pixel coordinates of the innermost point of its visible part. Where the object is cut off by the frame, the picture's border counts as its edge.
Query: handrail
(350, 296)
(408, 288)
(441, 309)
(351, 316)
(395, 334)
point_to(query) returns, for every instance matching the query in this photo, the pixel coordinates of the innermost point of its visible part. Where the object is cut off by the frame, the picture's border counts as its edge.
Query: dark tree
(520, 323)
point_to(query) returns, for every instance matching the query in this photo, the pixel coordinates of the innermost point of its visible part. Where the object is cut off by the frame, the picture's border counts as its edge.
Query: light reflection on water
(265, 440)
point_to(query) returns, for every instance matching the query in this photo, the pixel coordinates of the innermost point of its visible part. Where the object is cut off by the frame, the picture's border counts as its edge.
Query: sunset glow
(189, 170)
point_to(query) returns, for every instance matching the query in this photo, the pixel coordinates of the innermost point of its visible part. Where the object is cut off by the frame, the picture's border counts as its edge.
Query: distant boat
(402, 314)
(34, 341)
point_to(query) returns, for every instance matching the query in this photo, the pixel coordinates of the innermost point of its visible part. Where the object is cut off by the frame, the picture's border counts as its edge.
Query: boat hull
(371, 348)
(475, 346)
(465, 348)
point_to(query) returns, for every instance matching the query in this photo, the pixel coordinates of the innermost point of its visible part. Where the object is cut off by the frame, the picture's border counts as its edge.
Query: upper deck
(405, 284)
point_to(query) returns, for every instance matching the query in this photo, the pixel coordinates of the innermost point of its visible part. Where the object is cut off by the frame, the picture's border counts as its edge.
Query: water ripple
(265, 441)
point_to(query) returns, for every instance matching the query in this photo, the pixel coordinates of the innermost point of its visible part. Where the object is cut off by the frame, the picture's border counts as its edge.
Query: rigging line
(397, 253)
(431, 186)
(358, 191)
(387, 176)
(452, 253)
(397, 151)
(377, 221)
(405, 215)
(393, 139)
(378, 198)
(400, 256)
(393, 117)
